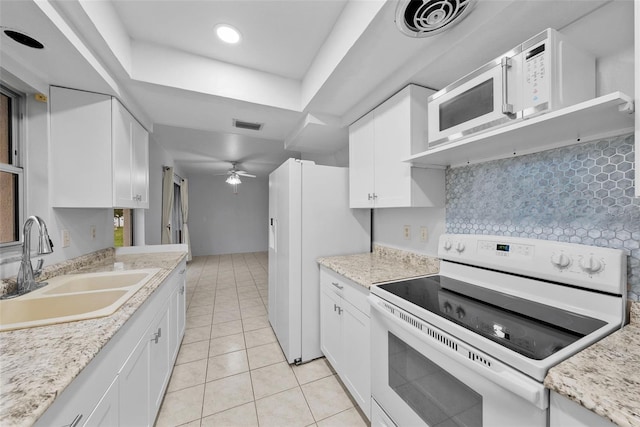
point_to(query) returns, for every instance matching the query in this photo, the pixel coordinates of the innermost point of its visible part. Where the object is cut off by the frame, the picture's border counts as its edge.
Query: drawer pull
(337, 285)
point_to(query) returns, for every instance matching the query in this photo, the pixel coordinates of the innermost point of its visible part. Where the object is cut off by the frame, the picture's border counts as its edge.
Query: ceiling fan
(234, 175)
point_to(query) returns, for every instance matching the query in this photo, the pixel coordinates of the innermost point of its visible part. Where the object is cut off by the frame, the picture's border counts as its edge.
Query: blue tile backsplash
(580, 194)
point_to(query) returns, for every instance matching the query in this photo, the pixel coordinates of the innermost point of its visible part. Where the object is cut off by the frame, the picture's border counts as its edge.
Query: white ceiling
(304, 68)
(279, 36)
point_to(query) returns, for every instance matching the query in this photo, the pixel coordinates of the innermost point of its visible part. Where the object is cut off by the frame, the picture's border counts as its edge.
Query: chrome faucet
(26, 276)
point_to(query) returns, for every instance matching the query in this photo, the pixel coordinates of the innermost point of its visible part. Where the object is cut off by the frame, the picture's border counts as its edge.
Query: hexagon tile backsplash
(580, 194)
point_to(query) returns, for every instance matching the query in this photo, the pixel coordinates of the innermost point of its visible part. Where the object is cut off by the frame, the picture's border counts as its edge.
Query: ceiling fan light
(233, 179)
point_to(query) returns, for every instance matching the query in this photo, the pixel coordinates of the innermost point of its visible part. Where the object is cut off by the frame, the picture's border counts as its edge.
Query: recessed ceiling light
(227, 33)
(22, 38)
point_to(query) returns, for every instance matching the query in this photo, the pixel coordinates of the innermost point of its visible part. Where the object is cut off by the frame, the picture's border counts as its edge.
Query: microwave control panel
(536, 81)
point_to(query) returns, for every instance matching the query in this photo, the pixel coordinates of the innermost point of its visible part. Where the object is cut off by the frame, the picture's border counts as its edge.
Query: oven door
(422, 376)
(473, 104)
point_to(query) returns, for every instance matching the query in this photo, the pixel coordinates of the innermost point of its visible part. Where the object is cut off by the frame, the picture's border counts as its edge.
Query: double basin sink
(73, 297)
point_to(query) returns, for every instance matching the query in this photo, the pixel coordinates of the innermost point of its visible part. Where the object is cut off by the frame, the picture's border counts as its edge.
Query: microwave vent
(424, 18)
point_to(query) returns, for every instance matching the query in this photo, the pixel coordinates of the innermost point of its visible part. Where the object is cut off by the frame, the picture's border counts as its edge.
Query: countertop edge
(600, 378)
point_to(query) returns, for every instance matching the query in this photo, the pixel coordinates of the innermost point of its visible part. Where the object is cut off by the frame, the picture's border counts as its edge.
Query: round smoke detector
(424, 18)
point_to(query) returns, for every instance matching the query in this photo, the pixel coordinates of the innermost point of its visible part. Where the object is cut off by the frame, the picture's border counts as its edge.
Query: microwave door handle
(507, 108)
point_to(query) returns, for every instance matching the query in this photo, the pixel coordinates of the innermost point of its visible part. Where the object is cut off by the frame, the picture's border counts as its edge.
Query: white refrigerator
(309, 217)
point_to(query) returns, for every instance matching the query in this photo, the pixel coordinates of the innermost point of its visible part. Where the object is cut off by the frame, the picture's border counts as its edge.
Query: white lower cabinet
(125, 382)
(344, 332)
(133, 383)
(143, 375)
(177, 310)
(159, 362)
(564, 412)
(106, 413)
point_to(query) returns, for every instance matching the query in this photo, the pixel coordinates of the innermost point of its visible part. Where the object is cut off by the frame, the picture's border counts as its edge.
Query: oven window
(436, 396)
(473, 103)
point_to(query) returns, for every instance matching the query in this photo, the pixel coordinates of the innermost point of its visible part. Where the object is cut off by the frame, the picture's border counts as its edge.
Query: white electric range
(471, 346)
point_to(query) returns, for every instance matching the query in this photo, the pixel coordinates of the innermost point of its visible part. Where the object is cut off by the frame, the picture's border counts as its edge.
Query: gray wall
(580, 194)
(388, 228)
(221, 222)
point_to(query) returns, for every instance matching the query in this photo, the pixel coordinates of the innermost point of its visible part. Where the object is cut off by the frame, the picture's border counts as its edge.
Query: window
(176, 216)
(122, 227)
(11, 174)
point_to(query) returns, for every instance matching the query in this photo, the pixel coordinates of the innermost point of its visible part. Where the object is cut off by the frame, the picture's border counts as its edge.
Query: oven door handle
(516, 383)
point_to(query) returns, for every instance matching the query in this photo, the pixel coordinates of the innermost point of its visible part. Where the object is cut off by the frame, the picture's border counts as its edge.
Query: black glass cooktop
(532, 329)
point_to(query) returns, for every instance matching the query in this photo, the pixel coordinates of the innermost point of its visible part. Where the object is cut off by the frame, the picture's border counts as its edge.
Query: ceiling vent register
(247, 125)
(424, 18)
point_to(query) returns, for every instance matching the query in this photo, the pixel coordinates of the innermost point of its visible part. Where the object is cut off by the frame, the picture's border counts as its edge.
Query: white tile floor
(231, 371)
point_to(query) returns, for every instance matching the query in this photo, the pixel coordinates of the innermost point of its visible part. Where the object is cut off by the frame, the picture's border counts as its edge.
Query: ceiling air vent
(247, 125)
(424, 18)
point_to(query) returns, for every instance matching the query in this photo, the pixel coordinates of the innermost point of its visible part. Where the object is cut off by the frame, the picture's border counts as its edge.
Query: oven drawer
(354, 293)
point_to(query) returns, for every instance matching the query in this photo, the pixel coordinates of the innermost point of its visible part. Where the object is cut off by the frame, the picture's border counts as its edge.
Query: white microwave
(543, 74)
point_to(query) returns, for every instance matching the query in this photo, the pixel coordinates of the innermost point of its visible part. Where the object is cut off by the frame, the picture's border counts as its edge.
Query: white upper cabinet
(379, 141)
(130, 146)
(361, 161)
(99, 152)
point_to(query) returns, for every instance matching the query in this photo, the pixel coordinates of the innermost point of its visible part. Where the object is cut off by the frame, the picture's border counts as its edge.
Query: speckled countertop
(382, 265)
(605, 377)
(37, 364)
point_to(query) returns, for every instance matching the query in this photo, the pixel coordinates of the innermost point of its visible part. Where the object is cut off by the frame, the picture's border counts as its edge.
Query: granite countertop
(37, 364)
(605, 377)
(382, 265)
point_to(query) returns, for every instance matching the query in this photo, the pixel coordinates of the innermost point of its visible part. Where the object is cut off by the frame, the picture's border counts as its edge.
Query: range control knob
(447, 307)
(447, 245)
(591, 264)
(561, 261)
(460, 247)
(460, 312)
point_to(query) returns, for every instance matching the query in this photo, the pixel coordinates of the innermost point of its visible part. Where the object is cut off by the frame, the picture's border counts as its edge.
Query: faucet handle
(38, 269)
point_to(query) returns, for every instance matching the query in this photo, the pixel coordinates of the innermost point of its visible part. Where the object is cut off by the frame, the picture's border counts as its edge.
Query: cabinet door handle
(337, 308)
(75, 421)
(337, 285)
(369, 196)
(182, 271)
(182, 290)
(157, 335)
(375, 196)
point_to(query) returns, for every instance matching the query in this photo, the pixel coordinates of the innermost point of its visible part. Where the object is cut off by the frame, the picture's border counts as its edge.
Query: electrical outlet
(66, 238)
(92, 232)
(423, 234)
(406, 232)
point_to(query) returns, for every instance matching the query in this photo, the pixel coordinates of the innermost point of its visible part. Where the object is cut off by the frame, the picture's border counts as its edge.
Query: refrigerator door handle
(273, 244)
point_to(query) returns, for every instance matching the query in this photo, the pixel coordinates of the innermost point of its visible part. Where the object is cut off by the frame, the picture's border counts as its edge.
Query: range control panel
(581, 265)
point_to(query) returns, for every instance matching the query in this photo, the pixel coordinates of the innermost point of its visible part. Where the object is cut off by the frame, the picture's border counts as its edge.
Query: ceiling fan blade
(243, 173)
